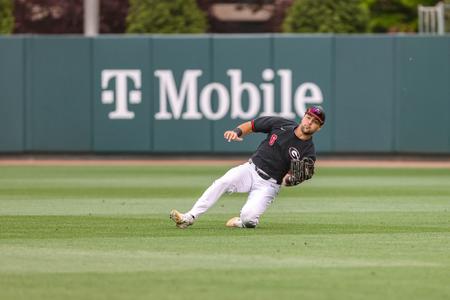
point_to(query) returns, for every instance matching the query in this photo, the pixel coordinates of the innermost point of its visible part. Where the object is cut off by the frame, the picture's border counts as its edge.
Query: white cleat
(181, 220)
(234, 222)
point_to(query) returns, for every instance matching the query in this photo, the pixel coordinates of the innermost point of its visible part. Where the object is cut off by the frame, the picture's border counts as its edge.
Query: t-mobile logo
(121, 93)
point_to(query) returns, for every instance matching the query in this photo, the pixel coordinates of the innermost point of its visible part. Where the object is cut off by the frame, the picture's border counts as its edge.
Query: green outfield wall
(177, 94)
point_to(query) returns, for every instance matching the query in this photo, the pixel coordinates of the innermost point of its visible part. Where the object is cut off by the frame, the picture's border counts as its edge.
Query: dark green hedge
(162, 16)
(326, 16)
(395, 15)
(6, 17)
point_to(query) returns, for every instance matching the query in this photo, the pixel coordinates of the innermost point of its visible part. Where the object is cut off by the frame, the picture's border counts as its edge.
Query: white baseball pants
(240, 179)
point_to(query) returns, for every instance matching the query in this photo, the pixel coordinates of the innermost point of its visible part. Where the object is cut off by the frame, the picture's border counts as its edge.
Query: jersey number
(272, 140)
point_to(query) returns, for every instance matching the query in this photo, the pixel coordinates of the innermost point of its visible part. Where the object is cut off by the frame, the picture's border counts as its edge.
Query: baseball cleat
(235, 222)
(181, 220)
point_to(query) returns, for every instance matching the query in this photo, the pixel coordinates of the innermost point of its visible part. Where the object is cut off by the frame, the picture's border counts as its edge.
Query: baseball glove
(300, 171)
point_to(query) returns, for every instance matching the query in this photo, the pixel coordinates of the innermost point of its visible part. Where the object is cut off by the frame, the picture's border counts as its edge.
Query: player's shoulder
(277, 121)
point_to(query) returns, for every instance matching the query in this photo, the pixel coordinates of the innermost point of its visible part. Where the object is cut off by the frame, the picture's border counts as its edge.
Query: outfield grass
(104, 233)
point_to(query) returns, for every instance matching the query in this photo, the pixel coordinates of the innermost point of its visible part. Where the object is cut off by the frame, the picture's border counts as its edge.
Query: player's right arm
(239, 132)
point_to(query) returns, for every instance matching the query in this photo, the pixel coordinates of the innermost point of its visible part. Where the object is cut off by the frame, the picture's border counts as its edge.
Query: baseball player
(286, 157)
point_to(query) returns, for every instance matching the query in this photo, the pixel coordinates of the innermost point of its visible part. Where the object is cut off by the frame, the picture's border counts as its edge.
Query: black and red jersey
(281, 145)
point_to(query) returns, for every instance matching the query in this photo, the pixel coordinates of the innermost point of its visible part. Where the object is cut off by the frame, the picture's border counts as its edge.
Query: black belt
(261, 173)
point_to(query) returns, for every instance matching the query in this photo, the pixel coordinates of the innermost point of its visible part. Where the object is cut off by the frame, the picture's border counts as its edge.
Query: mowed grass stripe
(54, 260)
(278, 224)
(228, 205)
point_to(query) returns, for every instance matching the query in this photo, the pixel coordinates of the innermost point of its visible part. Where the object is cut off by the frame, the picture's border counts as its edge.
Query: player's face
(309, 124)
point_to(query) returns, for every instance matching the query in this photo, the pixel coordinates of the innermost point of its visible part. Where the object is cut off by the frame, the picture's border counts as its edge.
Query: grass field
(103, 232)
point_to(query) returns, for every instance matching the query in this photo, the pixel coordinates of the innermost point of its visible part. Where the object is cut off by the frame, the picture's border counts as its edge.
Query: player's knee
(249, 220)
